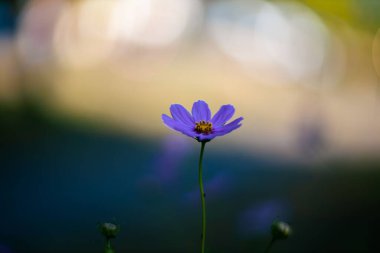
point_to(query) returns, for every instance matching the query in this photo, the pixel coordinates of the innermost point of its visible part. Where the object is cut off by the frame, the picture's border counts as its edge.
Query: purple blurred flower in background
(200, 125)
(164, 169)
(217, 187)
(5, 249)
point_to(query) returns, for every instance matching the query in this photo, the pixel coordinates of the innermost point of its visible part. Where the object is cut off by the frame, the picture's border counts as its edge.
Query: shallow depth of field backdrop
(83, 84)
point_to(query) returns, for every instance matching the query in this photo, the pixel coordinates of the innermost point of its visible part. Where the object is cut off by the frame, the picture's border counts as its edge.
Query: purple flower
(200, 125)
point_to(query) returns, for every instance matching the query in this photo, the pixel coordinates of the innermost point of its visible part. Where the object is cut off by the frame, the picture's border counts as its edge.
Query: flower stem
(203, 195)
(269, 245)
(108, 248)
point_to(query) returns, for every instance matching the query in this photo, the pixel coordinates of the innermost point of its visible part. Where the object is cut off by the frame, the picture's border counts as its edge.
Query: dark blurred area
(83, 85)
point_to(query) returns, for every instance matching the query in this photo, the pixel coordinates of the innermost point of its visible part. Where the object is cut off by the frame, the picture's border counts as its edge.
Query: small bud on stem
(109, 230)
(280, 231)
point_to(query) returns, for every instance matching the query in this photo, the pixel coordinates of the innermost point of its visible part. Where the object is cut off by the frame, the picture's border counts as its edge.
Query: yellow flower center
(203, 127)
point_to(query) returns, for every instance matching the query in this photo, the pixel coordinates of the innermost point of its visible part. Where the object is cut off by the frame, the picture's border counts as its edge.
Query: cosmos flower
(200, 125)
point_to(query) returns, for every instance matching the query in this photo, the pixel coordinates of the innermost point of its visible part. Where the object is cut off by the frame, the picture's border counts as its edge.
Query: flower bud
(280, 230)
(109, 230)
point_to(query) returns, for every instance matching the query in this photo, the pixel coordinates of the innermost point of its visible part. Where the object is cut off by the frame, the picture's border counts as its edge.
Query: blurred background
(83, 84)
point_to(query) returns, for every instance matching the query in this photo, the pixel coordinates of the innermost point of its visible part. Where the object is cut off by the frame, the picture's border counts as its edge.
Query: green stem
(203, 235)
(269, 245)
(108, 248)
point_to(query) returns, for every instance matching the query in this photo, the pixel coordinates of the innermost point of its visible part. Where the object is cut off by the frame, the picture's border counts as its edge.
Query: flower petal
(178, 126)
(227, 128)
(232, 124)
(181, 114)
(201, 111)
(223, 115)
(169, 122)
